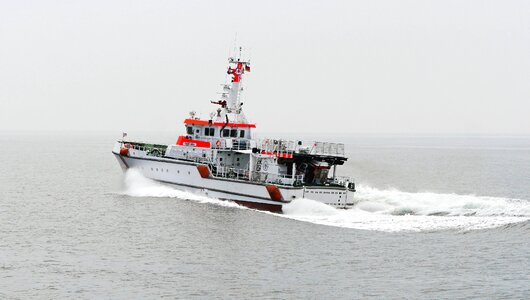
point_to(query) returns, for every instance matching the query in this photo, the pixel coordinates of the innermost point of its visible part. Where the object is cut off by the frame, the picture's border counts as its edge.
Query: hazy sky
(318, 66)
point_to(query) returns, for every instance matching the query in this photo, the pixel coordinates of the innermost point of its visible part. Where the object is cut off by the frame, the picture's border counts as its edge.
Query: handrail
(303, 147)
(256, 176)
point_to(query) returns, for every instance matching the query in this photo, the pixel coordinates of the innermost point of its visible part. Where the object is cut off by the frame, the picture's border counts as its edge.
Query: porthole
(178, 171)
(189, 173)
(157, 169)
(151, 169)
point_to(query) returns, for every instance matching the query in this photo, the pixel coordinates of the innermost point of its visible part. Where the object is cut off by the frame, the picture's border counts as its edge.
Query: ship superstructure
(219, 158)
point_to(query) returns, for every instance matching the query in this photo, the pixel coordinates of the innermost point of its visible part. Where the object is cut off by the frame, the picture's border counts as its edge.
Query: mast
(237, 68)
(230, 101)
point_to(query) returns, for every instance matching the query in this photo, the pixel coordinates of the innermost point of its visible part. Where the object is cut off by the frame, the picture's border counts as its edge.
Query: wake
(136, 185)
(381, 210)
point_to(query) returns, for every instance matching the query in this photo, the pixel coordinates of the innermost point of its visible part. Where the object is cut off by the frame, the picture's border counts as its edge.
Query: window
(189, 130)
(209, 131)
(226, 132)
(233, 133)
(242, 134)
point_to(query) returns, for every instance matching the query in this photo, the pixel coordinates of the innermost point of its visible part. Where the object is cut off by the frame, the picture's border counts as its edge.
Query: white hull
(185, 176)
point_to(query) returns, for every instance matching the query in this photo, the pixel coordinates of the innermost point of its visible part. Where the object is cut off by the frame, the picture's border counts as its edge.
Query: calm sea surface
(437, 217)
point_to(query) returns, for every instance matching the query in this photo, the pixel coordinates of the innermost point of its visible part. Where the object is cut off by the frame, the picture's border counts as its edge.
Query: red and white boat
(218, 157)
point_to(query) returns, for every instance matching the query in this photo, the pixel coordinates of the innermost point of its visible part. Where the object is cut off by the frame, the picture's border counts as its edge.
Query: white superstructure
(219, 158)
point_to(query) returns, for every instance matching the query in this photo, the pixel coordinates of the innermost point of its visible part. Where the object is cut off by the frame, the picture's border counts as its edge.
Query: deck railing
(256, 176)
(150, 149)
(303, 147)
(232, 144)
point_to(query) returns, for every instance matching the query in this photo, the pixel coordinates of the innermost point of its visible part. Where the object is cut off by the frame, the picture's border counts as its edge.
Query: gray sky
(318, 66)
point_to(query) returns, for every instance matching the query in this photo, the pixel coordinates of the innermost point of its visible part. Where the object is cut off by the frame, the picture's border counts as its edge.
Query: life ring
(218, 143)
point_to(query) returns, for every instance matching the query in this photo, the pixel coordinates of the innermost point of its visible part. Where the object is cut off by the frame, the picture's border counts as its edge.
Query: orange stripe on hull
(274, 192)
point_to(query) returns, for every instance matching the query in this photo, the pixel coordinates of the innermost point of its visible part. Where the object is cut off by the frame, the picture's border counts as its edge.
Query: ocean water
(436, 217)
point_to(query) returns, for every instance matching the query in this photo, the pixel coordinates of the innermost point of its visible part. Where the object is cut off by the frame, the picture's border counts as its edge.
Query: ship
(218, 157)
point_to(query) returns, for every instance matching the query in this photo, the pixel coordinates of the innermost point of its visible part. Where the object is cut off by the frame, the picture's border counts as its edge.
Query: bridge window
(233, 133)
(209, 131)
(189, 130)
(242, 134)
(226, 132)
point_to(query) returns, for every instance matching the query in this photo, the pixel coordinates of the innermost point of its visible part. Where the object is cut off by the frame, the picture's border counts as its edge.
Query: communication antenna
(235, 45)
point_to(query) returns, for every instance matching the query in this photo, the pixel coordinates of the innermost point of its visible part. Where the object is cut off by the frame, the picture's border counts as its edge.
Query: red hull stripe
(274, 192)
(203, 122)
(204, 171)
(183, 141)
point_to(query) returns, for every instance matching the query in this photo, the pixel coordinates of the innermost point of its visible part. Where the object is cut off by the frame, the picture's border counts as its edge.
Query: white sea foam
(136, 185)
(394, 210)
(382, 210)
